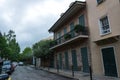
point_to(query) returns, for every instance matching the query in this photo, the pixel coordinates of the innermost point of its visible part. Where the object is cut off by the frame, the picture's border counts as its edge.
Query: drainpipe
(90, 57)
(90, 69)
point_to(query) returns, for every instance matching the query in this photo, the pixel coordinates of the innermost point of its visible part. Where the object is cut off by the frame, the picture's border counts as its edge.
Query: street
(28, 73)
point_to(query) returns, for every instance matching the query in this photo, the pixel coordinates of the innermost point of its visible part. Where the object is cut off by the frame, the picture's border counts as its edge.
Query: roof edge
(71, 5)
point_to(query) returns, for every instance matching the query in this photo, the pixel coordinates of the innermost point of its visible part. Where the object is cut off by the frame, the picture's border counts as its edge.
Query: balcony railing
(70, 35)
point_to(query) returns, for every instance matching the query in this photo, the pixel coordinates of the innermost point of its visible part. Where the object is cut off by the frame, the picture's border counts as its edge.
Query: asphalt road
(28, 73)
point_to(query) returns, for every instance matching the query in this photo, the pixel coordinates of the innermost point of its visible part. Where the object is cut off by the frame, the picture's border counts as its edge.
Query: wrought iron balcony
(70, 36)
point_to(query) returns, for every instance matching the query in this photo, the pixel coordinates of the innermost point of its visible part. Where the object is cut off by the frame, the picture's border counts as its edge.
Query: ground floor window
(66, 60)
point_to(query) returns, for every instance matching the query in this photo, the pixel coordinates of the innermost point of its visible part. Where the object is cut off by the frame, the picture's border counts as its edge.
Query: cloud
(30, 19)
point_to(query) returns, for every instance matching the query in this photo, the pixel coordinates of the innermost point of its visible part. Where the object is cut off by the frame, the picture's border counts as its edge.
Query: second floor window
(82, 20)
(65, 30)
(58, 34)
(71, 29)
(58, 37)
(104, 25)
(99, 1)
(71, 26)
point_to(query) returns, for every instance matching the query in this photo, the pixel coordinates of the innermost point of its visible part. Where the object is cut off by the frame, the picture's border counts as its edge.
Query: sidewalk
(77, 74)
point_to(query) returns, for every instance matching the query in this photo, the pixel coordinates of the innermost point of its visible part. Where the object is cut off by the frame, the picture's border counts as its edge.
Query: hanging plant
(79, 28)
(67, 36)
(54, 42)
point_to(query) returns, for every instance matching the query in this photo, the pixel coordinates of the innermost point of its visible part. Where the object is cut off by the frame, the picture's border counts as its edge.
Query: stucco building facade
(104, 26)
(97, 44)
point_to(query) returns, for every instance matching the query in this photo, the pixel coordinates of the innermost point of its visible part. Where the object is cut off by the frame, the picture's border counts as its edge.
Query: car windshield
(6, 63)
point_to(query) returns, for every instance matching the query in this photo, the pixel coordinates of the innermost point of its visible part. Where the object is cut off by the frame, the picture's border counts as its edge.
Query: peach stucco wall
(78, 53)
(75, 19)
(111, 8)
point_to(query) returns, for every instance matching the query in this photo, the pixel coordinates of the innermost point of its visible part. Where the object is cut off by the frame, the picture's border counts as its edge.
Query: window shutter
(82, 20)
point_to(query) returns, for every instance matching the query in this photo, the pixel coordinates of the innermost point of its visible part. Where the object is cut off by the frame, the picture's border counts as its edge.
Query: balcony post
(73, 70)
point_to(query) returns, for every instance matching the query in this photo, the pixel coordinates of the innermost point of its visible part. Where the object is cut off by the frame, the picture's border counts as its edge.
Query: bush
(67, 36)
(79, 28)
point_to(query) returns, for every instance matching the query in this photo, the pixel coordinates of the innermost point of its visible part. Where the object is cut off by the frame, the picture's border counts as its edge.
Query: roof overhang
(73, 9)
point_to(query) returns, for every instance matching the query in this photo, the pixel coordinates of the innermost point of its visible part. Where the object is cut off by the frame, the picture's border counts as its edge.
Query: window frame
(72, 24)
(65, 30)
(101, 25)
(100, 1)
(83, 24)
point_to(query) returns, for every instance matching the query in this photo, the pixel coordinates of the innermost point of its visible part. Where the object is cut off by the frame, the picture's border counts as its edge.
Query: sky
(30, 19)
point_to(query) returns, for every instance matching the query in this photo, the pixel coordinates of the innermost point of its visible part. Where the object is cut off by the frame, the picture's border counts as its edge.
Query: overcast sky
(30, 19)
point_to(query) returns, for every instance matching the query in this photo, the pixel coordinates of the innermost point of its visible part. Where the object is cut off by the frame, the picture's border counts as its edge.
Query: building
(97, 43)
(71, 48)
(104, 25)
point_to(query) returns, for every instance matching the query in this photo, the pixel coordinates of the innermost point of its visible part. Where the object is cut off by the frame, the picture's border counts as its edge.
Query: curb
(60, 74)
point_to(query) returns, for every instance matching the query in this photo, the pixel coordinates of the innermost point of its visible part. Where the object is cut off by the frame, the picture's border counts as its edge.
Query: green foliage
(54, 42)
(3, 47)
(79, 28)
(27, 52)
(41, 49)
(9, 47)
(67, 36)
(26, 55)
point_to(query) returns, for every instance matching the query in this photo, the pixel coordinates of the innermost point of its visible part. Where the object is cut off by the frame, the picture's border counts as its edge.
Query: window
(58, 34)
(71, 29)
(99, 1)
(58, 37)
(104, 25)
(65, 30)
(72, 26)
(82, 20)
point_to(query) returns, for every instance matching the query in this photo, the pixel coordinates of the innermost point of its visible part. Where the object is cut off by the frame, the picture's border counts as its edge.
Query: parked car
(7, 67)
(4, 77)
(20, 63)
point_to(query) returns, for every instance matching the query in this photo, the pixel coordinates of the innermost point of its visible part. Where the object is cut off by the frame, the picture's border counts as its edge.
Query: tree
(11, 35)
(4, 50)
(26, 55)
(13, 46)
(41, 49)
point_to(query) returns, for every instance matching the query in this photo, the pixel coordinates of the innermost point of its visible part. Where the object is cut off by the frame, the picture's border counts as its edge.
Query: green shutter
(82, 20)
(84, 55)
(65, 30)
(71, 28)
(74, 60)
(59, 35)
(60, 61)
(66, 60)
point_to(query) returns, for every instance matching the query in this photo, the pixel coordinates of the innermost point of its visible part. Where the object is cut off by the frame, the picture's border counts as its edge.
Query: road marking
(9, 78)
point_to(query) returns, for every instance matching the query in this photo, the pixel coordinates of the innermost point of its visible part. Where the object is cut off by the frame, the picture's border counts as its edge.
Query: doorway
(109, 62)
